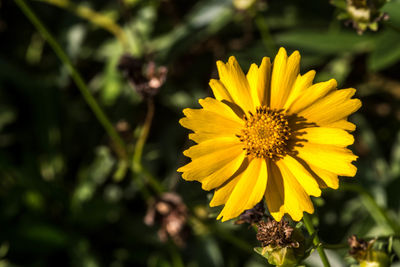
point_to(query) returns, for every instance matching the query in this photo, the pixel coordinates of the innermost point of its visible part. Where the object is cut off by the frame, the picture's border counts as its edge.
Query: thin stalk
(335, 246)
(137, 155)
(377, 213)
(265, 34)
(311, 230)
(393, 27)
(90, 100)
(94, 17)
(176, 257)
(137, 166)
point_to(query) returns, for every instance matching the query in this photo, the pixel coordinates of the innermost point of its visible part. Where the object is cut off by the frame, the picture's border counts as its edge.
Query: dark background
(62, 200)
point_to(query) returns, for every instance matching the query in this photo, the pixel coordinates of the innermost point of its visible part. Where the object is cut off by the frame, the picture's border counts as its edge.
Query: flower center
(265, 134)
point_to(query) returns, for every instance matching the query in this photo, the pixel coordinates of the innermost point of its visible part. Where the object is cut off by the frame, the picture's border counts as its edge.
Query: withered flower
(252, 216)
(362, 14)
(282, 245)
(365, 254)
(358, 247)
(145, 76)
(171, 213)
(276, 234)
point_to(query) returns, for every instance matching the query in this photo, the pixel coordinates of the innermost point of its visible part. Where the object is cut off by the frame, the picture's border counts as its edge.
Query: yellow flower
(270, 133)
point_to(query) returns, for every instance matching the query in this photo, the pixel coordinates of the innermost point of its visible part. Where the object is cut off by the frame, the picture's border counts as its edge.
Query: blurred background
(92, 181)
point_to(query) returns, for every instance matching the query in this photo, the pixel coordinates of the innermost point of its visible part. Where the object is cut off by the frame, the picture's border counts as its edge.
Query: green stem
(335, 246)
(137, 156)
(137, 166)
(393, 27)
(98, 112)
(176, 257)
(311, 230)
(265, 34)
(377, 213)
(96, 18)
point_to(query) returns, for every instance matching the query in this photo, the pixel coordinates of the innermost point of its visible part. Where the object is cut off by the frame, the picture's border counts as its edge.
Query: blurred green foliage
(67, 199)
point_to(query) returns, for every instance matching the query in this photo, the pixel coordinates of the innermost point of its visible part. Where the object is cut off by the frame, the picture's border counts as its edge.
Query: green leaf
(393, 9)
(325, 42)
(387, 51)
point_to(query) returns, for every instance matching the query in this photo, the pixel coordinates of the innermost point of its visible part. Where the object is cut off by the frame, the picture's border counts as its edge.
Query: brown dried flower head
(145, 76)
(359, 247)
(365, 254)
(171, 213)
(276, 234)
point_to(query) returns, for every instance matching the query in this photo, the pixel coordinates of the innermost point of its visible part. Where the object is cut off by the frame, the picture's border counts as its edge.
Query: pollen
(265, 134)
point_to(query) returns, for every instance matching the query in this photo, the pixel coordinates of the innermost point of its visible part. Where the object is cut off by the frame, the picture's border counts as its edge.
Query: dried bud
(363, 252)
(276, 234)
(358, 247)
(145, 77)
(361, 14)
(282, 245)
(171, 213)
(253, 215)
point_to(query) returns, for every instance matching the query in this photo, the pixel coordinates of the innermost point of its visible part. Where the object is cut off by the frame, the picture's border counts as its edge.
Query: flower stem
(311, 230)
(90, 100)
(377, 213)
(137, 155)
(265, 34)
(96, 18)
(137, 166)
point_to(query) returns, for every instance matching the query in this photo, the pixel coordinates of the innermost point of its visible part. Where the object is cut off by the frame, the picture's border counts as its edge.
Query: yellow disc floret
(265, 134)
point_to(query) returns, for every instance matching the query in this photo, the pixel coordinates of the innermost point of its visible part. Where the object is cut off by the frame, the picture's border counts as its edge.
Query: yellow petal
(302, 83)
(334, 107)
(264, 81)
(274, 194)
(327, 136)
(222, 194)
(234, 80)
(342, 124)
(210, 123)
(212, 146)
(305, 179)
(284, 74)
(284, 194)
(312, 94)
(296, 199)
(330, 158)
(212, 105)
(213, 162)
(248, 191)
(252, 79)
(329, 179)
(220, 91)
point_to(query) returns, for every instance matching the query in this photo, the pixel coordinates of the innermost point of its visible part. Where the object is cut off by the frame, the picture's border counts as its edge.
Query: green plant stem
(377, 213)
(265, 34)
(335, 246)
(137, 166)
(137, 155)
(393, 27)
(176, 257)
(94, 17)
(311, 230)
(90, 100)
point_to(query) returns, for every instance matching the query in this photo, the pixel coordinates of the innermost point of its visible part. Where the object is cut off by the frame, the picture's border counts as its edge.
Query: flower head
(271, 133)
